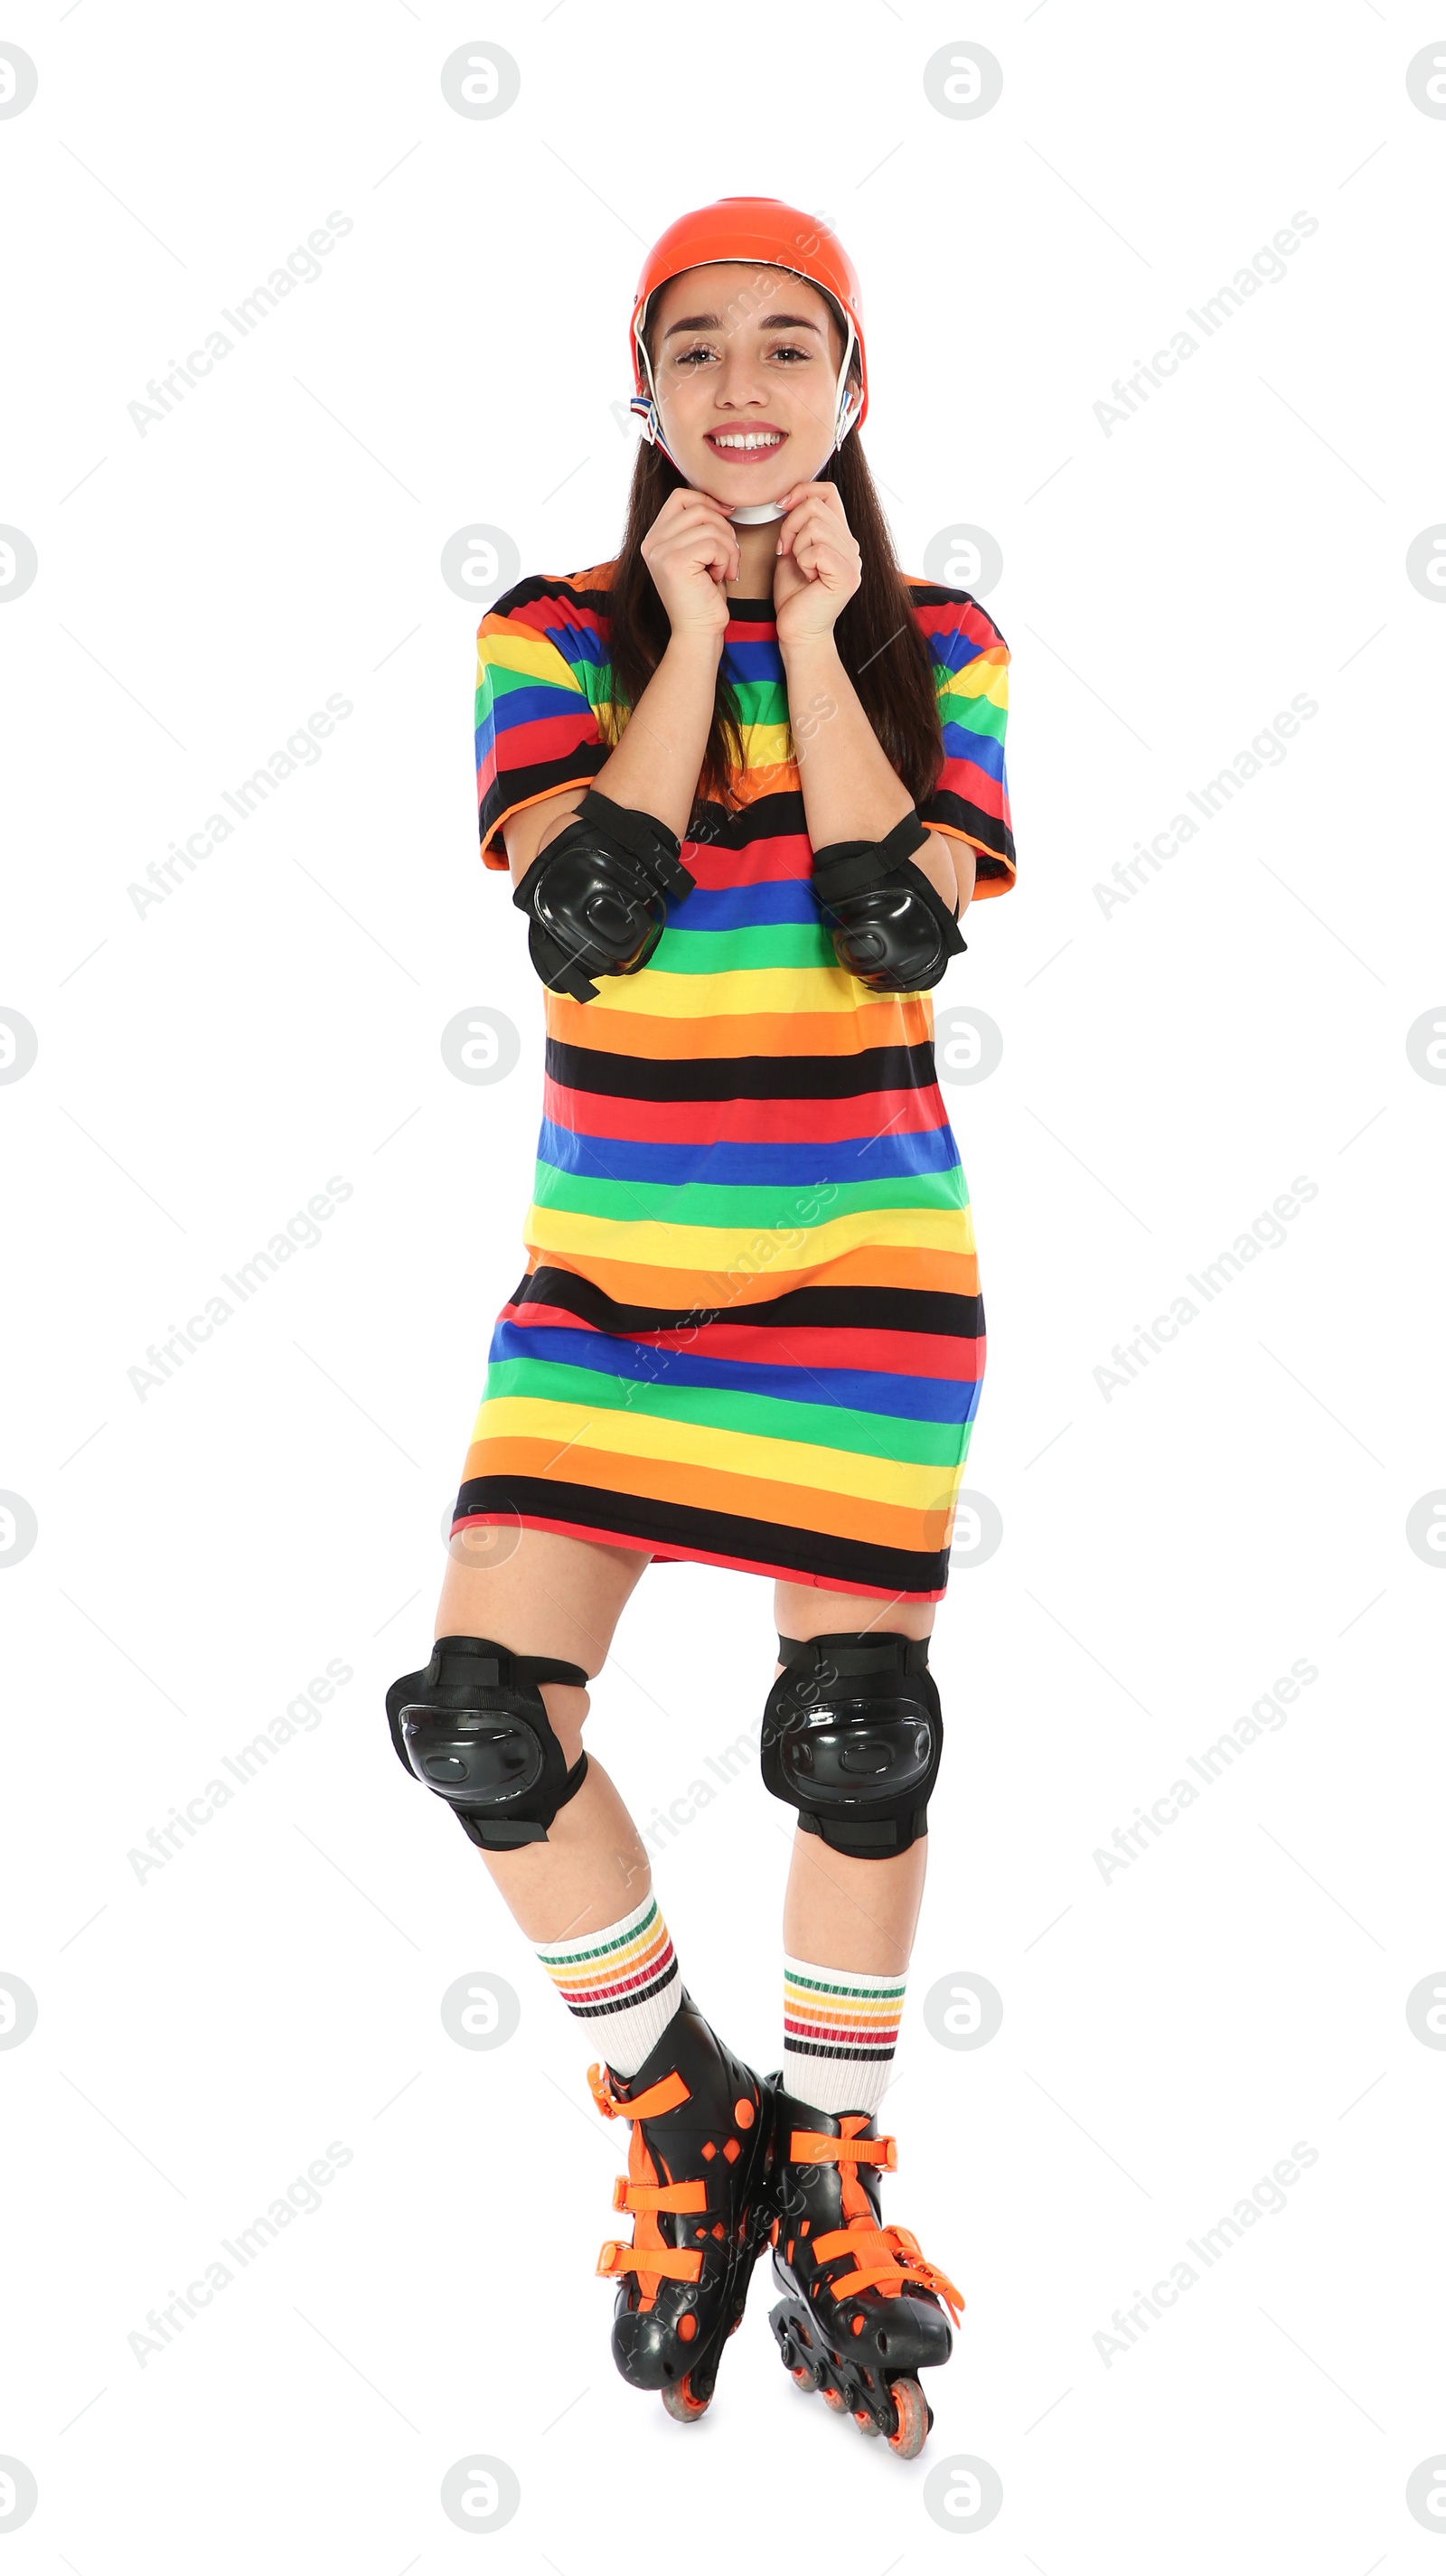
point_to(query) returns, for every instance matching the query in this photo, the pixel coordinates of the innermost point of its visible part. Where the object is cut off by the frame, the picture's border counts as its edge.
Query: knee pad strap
(852, 1735)
(473, 1727)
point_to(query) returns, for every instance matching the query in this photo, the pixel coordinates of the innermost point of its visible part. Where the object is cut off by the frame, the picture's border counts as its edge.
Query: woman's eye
(703, 355)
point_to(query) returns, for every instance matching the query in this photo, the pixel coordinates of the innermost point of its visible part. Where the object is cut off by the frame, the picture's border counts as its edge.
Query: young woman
(746, 777)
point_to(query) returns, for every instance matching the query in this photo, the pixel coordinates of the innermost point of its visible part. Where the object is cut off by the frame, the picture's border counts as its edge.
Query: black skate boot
(697, 2185)
(864, 2310)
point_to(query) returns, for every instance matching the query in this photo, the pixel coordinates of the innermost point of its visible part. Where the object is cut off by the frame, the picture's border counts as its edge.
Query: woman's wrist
(695, 648)
(813, 660)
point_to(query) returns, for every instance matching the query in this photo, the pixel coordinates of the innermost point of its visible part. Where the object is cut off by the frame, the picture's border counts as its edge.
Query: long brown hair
(878, 637)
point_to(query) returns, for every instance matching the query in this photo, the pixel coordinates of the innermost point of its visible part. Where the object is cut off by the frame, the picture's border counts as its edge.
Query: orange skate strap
(664, 2096)
(679, 2197)
(659, 2260)
(814, 2147)
(885, 2258)
(818, 2147)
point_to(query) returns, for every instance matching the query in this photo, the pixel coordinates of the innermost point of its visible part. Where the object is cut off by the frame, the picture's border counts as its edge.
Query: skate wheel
(802, 2374)
(913, 2414)
(683, 2406)
(834, 2397)
(866, 2424)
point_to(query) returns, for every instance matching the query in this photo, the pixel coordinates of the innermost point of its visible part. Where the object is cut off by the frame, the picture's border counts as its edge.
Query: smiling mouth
(743, 445)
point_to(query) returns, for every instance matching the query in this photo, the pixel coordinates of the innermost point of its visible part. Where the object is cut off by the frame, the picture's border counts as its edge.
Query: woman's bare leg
(563, 1597)
(842, 1912)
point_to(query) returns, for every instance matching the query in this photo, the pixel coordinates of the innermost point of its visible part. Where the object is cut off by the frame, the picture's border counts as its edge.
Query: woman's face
(745, 361)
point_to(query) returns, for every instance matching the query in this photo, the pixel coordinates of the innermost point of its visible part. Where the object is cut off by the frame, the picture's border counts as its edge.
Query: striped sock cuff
(840, 2012)
(605, 1972)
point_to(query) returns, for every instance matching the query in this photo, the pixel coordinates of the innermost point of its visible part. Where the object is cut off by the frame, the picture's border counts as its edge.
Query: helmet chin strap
(749, 514)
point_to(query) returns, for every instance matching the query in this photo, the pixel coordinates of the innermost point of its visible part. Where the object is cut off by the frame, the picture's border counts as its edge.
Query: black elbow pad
(890, 929)
(596, 897)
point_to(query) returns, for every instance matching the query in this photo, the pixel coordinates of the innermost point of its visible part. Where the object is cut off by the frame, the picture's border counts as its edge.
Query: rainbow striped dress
(750, 1330)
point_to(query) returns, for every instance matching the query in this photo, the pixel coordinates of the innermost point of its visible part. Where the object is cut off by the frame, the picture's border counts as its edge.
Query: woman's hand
(819, 564)
(691, 551)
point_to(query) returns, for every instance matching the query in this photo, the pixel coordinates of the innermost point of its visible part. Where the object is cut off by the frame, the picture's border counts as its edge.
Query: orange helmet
(772, 235)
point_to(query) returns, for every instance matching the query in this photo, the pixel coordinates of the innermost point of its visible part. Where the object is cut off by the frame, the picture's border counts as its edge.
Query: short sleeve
(542, 686)
(971, 678)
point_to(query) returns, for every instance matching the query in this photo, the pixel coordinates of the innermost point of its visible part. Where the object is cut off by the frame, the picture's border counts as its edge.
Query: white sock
(623, 1982)
(839, 2030)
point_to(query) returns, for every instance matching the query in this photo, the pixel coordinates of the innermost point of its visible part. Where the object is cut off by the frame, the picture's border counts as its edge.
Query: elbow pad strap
(656, 849)
(891, 929)
(851, 866)
(596, 895)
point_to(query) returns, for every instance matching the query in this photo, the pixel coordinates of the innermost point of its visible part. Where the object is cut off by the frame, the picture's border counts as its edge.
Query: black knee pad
(473, 1727)
(852, 1735)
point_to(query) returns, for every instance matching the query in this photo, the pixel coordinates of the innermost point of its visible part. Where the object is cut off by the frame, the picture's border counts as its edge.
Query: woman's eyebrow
(765, 321)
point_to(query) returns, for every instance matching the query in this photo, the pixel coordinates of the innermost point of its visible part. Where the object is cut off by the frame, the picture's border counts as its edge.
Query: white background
(1168, 1069)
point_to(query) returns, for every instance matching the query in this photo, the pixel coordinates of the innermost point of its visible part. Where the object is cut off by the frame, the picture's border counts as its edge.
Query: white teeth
(753, 438)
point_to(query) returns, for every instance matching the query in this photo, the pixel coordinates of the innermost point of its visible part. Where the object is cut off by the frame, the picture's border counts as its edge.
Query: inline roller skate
(697, 2189)
(864, 2311)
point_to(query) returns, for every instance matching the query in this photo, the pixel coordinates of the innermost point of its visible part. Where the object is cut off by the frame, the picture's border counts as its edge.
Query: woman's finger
(823, 561)
(822, 496)
(696, 541)
(701, 534)
(692, 504)
(813, 514)
(815, 552)
(708, 527)
(828, 493)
